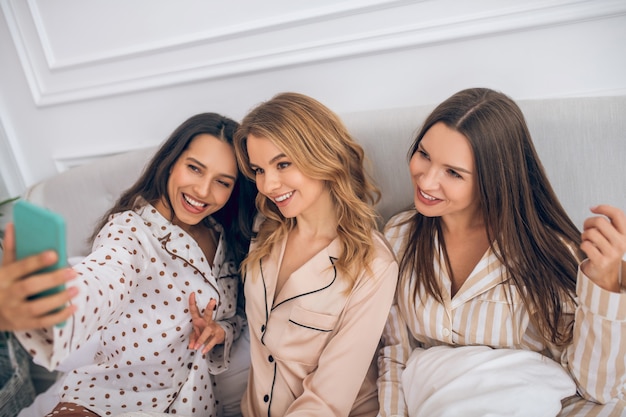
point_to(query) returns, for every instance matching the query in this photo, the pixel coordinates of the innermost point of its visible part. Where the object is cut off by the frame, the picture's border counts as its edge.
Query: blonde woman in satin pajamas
(173, 239)
(486, 224)
(319, 278)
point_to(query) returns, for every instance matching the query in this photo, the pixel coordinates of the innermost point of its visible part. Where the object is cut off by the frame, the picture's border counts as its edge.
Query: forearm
(596, 357)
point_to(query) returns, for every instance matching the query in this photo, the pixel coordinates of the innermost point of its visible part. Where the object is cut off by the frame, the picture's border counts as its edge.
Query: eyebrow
(458, 169)
(203, 166)
(273, 160)
(420, 146)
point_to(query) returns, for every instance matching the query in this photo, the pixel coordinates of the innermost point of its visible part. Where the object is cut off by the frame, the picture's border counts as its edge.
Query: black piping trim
(269, 404)
(164, 241)
(265, 300)
(332, 261)
(309, 327)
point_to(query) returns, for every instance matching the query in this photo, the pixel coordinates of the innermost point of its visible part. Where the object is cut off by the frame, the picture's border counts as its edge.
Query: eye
(257, 171)
(283, 165)
(225, 183)
(193, 168)
(423, 153)
(454, 174)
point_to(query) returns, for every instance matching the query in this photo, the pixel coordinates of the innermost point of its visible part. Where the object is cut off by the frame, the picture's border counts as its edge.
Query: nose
(203, 188)
(269, 182)
(429, 179)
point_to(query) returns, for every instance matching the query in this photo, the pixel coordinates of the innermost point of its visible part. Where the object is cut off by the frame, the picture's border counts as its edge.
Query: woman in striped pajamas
(490, 258)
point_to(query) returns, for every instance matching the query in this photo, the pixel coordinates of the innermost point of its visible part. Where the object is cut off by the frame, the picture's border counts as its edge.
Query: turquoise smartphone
(36, 230)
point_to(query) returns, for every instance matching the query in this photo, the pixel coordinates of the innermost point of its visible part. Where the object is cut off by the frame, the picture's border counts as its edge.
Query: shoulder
(383, 262)
(123, 219)
(399, 220)
(383, 251)
(141, 221)
(382, 269)
(397, 229)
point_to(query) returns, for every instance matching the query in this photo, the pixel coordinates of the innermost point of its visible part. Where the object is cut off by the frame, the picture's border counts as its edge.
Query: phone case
(36, 230)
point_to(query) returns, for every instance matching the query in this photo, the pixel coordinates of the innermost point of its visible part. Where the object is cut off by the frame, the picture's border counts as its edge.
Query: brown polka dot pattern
(71, 410)
(133, 297)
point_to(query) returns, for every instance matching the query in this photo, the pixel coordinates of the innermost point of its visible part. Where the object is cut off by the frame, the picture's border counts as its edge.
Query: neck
(320, 222)
(461, 225)
(313, 229)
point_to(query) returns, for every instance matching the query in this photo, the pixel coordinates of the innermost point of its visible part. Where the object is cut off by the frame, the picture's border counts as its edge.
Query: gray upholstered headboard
(582, 143)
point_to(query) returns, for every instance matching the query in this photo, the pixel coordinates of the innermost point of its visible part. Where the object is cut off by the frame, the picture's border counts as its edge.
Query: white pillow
(479, 381)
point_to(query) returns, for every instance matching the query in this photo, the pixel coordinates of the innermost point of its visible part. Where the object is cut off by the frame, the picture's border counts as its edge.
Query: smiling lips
(194, 205)
(426, 199)
(283, 197)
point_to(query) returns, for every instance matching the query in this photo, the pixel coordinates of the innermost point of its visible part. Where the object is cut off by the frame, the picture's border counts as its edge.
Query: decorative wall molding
(248, 29)
(12, 181)
(329, 32)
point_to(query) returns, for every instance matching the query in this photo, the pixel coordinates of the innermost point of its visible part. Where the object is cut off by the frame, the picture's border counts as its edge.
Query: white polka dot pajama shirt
(133, 296)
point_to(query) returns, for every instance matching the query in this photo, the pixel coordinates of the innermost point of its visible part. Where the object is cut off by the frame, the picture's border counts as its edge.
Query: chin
(286, 214)
(426, 211)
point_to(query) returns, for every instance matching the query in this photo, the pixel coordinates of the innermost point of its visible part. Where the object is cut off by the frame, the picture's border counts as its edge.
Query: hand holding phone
(37, 230)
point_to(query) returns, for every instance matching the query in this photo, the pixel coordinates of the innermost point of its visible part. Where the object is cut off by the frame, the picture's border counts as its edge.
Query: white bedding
(478, 381)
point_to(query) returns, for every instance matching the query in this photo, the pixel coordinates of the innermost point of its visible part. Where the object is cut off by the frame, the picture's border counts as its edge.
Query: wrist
(607, 280)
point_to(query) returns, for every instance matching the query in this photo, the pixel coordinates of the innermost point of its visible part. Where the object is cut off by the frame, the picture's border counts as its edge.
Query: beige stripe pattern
(486, 311)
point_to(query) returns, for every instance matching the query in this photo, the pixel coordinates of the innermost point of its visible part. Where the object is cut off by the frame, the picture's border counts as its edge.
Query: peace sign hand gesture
(206, 331)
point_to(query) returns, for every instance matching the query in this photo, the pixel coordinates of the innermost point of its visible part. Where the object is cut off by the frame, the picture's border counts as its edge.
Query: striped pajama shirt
(485, 312)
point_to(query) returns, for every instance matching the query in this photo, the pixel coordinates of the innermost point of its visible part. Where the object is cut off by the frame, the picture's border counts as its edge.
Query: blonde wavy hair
(319, 144)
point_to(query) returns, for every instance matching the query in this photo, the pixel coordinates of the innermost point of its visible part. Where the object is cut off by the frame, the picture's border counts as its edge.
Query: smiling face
(200, 181)
(280, 180)
(443, 174)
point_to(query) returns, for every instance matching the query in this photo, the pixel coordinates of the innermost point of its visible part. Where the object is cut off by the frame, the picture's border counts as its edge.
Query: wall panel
(88, 52)
(86, 79)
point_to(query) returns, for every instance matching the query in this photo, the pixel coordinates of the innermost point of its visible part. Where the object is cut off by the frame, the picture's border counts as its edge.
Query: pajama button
(446, 332)
(270, 358)
(266, 398)
(262, 328)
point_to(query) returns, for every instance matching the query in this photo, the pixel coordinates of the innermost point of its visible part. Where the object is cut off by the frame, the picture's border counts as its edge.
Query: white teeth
(426, 196)
(283, 197)
(193, 202)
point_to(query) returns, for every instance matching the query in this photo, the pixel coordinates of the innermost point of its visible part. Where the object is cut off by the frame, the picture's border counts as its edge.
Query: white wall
(79, 80)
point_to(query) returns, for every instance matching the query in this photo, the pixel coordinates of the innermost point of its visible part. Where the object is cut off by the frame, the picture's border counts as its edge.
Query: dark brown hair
(237, 214)
(529, 231)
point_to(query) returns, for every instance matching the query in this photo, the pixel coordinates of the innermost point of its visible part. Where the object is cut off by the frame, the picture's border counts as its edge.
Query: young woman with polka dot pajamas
(174, 239)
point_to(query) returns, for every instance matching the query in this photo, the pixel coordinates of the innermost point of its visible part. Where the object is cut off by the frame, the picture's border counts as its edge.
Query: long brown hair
(236, 216)
(529, 231)
(321, 147)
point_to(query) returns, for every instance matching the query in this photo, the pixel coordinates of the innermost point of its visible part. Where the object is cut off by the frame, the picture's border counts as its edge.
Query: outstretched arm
(18, 283)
